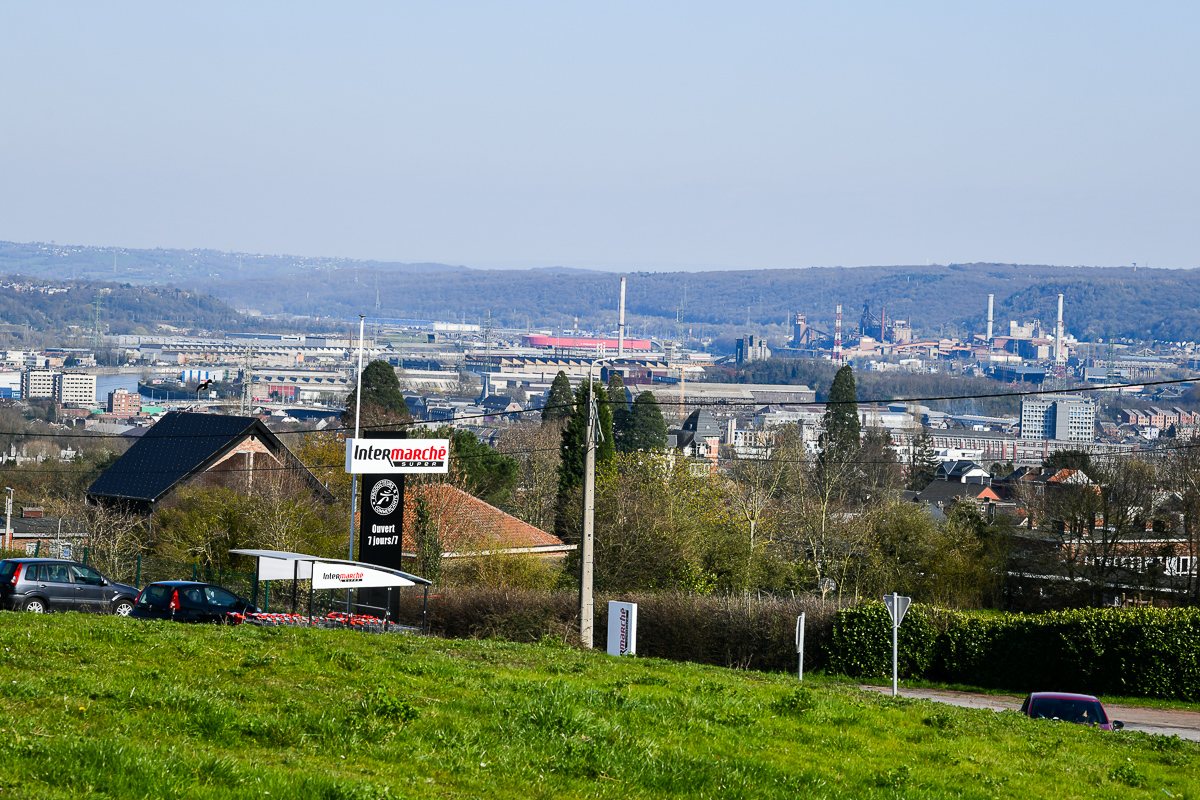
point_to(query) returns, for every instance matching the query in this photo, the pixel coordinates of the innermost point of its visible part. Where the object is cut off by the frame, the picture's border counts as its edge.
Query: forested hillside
(1141, 304)
(68, 307)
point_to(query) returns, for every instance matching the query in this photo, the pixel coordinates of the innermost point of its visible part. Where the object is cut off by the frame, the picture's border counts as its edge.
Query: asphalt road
(1184, 724)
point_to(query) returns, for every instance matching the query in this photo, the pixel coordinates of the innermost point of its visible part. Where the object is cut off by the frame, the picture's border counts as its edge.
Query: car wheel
(123, 608)
(35, 605)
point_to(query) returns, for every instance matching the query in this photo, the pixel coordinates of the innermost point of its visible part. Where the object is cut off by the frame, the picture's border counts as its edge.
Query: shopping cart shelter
(372, 585)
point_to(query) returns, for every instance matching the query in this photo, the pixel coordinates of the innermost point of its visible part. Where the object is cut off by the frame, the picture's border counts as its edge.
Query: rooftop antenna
(837, 335)
(247, 380)
(487, 335)
(97, 330)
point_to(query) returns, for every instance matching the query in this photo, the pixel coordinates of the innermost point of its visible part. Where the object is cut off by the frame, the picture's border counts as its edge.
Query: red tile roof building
(470, 527)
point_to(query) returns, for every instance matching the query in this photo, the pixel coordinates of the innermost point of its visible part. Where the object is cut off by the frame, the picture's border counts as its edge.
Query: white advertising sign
(397, 456)
(356, 576)
(622, 628)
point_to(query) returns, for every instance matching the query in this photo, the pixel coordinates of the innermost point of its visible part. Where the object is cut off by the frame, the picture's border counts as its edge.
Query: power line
(694, 404)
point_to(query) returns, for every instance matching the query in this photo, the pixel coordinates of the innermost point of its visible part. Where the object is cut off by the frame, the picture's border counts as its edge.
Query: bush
(861, 644)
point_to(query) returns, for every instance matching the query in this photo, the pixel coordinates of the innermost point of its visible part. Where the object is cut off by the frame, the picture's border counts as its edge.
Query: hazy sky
(616, 135)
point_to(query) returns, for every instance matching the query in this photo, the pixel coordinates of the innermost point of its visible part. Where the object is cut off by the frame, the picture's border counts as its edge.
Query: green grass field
(105, 707)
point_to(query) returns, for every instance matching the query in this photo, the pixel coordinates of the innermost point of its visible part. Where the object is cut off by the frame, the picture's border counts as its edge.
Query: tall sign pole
(357, 411)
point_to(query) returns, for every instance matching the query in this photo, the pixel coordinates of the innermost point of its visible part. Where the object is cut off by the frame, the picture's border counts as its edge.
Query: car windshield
(155, 595)
(1083, 712)
(7, 568)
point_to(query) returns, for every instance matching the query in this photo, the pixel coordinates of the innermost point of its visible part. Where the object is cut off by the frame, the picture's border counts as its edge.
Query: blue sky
(643, 136)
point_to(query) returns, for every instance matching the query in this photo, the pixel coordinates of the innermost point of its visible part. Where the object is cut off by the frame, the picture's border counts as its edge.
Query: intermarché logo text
(344, 577)
(403, 456)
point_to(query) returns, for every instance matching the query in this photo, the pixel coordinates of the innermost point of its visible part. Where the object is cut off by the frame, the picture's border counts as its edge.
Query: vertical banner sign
(381, 511)
(622, 628)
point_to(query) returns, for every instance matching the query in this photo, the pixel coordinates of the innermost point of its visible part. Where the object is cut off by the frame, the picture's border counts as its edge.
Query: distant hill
(67, 307)
(1138, 304)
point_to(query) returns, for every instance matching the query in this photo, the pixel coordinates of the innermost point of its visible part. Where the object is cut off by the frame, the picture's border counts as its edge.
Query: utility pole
(587, 542)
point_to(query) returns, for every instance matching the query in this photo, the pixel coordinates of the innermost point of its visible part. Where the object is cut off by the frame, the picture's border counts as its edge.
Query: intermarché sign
(397, 456)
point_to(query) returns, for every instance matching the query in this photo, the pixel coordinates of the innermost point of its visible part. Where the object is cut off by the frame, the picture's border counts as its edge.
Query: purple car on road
(1081, 709)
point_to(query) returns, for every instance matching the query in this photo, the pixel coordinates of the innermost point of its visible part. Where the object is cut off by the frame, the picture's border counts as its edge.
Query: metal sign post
(800, 645)
(897, 607)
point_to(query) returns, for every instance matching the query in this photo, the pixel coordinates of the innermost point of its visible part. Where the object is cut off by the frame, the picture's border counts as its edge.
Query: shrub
(861, 643)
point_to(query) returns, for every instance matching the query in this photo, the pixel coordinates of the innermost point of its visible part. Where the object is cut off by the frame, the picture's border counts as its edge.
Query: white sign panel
(622, 628)
(897, 606)
(397, 456)
(283, 569)
(353, 576)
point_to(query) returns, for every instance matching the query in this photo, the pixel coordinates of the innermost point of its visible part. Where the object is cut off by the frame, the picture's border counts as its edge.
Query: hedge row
(1132, 652)
(741, 632)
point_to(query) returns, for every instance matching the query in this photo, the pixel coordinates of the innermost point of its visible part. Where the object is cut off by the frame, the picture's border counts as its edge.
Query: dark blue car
(189, 601)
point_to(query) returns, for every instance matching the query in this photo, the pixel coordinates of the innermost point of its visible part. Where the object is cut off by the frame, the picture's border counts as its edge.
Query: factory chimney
(882, 324)
(621, 323)
(837, 335)
(991, 298)
(1060, 351)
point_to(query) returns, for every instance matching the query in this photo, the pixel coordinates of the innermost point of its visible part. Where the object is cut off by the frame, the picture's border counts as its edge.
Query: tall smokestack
(1060, 354)
(837, 335)
(621, 323)
(882, 323)
(991, 298)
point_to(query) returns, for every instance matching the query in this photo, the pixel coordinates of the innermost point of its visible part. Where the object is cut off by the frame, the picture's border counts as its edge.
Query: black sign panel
(381, 515)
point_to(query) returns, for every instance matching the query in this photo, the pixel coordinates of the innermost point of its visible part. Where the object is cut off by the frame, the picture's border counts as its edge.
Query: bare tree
(535, 446)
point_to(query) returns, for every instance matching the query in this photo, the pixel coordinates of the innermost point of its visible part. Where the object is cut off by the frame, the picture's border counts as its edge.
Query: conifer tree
(923, 469)
(574, 445)
(558, 404)
(382, 401)
(644, 428)
(842, 437)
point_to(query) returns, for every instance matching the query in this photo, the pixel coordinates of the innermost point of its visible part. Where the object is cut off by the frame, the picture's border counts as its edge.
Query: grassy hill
(104, 707)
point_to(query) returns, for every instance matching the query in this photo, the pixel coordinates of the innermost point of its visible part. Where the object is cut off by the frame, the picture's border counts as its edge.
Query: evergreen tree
(616, 391)
(842, 437)
(558, 404)
(574, 446)
(644, 428)
(923, 469)
(382, 401)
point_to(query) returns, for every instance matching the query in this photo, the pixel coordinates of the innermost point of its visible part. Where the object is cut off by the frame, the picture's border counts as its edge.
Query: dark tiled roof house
(186, 448)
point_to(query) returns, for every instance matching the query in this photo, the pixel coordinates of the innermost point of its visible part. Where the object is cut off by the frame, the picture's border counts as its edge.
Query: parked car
(189, 601)
(41, 585)
(1081, 709)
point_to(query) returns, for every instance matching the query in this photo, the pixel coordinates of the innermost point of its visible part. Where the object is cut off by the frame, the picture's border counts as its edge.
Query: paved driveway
(1184, 724)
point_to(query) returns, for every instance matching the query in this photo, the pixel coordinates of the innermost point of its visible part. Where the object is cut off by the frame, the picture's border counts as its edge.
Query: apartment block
(124, 402)
(38, 383)
(1058, 416)
(75, 388)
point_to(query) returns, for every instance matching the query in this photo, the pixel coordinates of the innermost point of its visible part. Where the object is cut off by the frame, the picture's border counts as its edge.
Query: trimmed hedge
(1132, 652)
